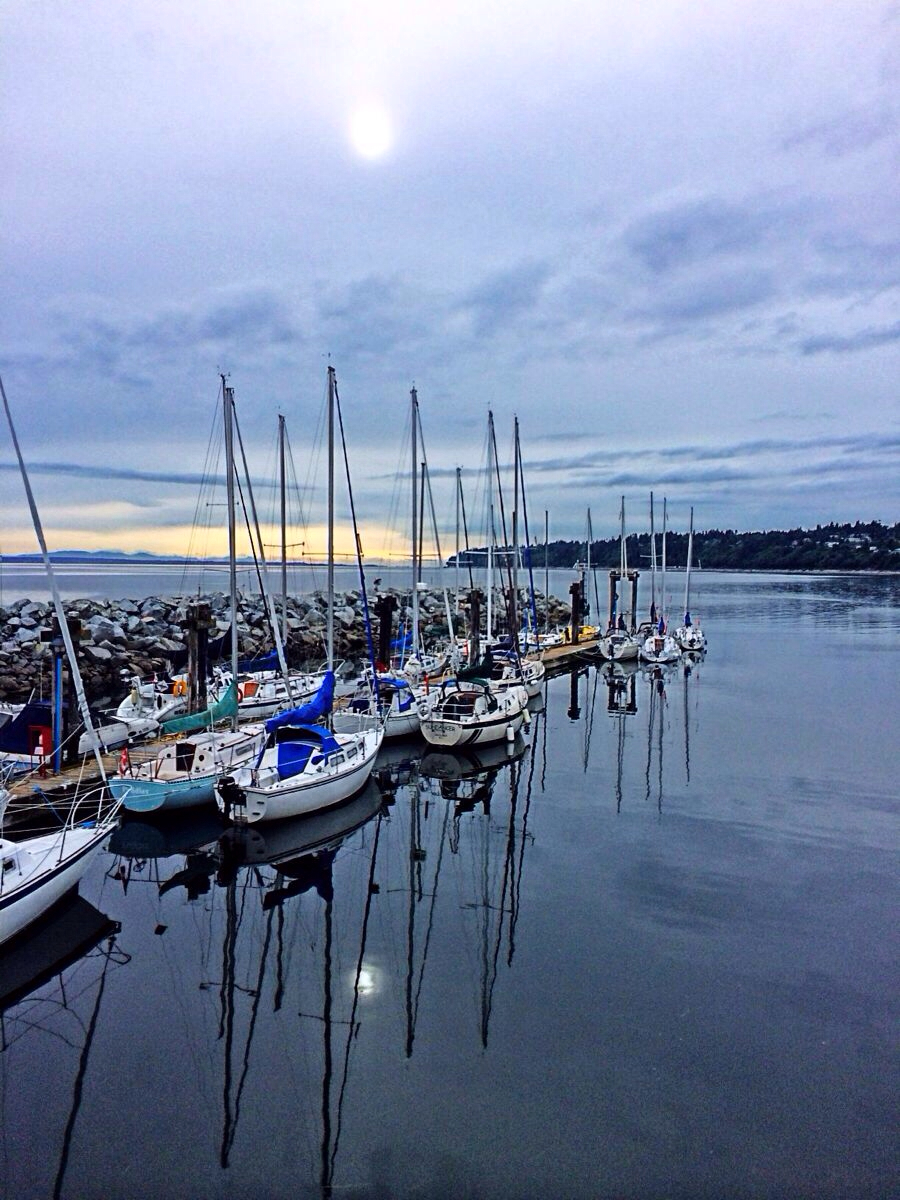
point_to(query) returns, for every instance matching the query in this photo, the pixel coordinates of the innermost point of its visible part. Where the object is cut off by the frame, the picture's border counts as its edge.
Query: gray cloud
(847, 133)
(863, 339)
(503, 297)
(596, 229)
(688, 233)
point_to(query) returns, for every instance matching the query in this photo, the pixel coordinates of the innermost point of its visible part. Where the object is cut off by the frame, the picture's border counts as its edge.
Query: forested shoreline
(857, 546)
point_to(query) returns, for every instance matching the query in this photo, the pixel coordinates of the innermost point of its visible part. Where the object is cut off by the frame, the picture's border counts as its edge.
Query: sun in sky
(371, 134)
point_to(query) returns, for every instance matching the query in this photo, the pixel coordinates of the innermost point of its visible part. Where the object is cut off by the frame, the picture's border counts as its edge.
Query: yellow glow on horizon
(181, 541)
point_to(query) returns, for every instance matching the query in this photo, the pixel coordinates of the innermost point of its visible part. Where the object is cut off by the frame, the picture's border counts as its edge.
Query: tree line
(857, 546)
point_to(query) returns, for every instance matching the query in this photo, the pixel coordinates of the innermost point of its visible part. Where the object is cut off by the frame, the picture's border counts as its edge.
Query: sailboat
(183, 772)
(463, 712)
(503, 667)
(659, 646)
(305, 766)
(619, 644)
(689, 635)
(40, 870)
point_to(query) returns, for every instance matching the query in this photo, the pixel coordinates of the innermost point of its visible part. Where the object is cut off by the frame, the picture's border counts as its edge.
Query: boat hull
(150, 795)
(63, 860)
(297, 795)
(616, 650)
(438, 732)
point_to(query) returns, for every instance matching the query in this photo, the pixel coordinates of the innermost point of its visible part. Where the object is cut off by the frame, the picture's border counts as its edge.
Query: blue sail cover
(307, 714)
(394, 682)
(17, 735)
(294, 755)
(263, 662)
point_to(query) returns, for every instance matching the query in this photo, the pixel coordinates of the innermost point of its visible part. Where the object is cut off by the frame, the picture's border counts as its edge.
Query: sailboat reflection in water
(479, 840)
(281, 896)
(52, 983)
(655, 686)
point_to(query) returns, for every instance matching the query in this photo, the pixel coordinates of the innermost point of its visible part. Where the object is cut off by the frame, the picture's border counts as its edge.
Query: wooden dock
(557, 658)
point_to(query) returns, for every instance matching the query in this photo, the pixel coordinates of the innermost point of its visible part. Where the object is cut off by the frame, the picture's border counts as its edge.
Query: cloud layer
(650, 235)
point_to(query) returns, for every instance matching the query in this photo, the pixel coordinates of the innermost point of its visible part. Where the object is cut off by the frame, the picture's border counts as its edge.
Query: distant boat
(689, 635)
(619, 644)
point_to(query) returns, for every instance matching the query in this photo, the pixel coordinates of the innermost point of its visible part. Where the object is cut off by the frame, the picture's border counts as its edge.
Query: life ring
(179, 688)
(240, 692)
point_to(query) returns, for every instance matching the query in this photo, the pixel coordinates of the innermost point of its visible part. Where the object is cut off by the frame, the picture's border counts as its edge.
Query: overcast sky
(666, 236)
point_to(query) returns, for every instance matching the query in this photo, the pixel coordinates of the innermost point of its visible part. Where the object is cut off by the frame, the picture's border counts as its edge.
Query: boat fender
(527, 717)
(510, 734)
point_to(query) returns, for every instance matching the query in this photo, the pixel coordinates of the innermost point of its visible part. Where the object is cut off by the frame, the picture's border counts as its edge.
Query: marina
(644, 949)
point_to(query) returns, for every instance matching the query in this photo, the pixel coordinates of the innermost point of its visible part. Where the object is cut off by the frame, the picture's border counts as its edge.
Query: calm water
(653, 955)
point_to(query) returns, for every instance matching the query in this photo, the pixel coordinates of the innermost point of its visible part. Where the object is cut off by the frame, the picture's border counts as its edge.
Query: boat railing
(96, 807)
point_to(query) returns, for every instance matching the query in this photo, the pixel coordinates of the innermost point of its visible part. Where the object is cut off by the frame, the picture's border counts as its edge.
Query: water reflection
(350, 1011)
(302, 853)
(52, 984)
(461, 818)
(639, 699)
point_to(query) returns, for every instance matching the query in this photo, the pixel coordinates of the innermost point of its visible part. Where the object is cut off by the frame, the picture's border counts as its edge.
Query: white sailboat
(659, 646)
(619, 644)
(183, 772)
(38, 871)
(689, 635)
(463, 713)
(305, 766)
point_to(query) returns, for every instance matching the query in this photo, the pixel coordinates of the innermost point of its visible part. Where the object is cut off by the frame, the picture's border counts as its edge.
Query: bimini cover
(306, 714)
(294, 755)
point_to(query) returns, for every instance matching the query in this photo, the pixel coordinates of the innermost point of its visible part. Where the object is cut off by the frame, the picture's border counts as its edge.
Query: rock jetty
(140, 637)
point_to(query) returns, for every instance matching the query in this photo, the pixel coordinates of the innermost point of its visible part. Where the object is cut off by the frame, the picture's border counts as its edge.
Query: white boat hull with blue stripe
(37, 872)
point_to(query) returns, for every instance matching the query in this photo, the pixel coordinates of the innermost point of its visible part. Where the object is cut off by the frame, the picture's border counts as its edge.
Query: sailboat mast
(532, 603)
(228, 416)
(283, 491)
(687, 570)
(57, 598)
(512, 607)
(652, 563)
(414, 421)
(662, 597)
(623, 564)
(490, 579)
(515, 526)
(458, 486)
(426, 480)
(330, 626)
(546, 570)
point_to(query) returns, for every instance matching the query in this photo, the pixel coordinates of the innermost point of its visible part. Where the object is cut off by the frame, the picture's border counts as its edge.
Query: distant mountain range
(107, 556)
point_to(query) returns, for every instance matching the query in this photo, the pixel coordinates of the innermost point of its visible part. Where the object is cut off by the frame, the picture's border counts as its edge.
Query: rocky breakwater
(142, 637)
